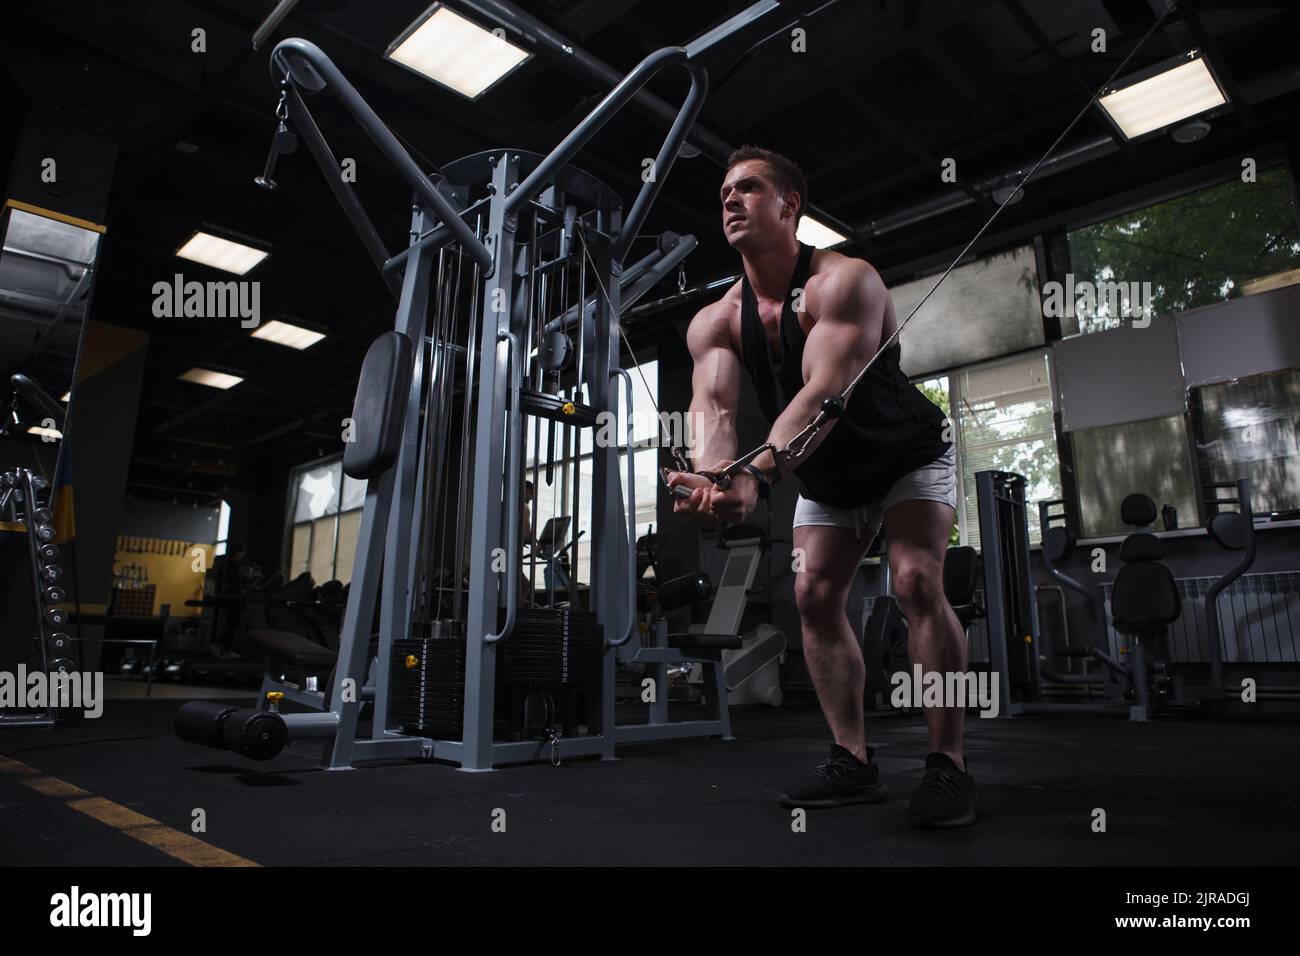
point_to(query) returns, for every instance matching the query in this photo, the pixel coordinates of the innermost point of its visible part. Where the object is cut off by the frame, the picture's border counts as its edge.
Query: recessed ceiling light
(67, 396)
(204, 376)
(282, 333)
(1164, 95)
(455, 52)
(219, 253)
(1192, 131)
(817, 234)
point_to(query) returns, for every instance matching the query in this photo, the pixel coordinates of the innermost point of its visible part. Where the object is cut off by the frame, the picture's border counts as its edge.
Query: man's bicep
(851, 317)
(715, 379)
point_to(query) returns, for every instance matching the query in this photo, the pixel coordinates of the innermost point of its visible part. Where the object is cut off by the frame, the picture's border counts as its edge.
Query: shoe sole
(876, 793)
(925, 823)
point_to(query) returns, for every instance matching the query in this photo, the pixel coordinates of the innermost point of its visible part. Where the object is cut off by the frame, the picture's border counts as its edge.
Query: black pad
(1228, 529)
(1138, 510)
(1144, 598)
(687, 589)
(687, 642)
(745, 531)
(294, 650)
(959, 575)
(1059, 543)
(1141, 547)
(379, 408)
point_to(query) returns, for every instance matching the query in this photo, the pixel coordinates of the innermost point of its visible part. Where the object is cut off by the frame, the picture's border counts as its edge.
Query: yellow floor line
(137, 826)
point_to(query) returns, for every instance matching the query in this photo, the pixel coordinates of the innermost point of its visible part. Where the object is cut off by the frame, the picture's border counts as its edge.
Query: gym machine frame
(517, 188)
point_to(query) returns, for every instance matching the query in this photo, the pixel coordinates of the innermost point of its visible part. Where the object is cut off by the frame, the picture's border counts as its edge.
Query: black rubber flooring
(1175, 792)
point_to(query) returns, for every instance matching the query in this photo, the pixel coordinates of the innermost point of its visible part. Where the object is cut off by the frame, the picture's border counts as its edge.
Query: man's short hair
(785, 172)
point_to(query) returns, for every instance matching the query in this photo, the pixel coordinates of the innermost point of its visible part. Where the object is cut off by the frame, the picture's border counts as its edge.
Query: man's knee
(818, 600)
(919, 587)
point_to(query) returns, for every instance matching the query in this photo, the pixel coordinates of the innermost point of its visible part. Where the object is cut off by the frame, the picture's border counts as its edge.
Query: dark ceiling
(886, 89)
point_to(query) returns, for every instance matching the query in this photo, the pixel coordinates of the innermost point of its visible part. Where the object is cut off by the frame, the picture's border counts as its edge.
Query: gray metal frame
(516, 187)
(1000, 492)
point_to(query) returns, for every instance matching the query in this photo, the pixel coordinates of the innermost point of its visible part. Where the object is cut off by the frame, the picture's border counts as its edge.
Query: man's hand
(698, 507)
(738, 501)
(709, 504)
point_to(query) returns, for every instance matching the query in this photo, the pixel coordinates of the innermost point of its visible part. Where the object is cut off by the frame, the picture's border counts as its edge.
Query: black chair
(1144, 598)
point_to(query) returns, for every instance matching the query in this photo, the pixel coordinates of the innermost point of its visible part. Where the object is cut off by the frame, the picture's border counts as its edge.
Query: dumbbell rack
(24, 500)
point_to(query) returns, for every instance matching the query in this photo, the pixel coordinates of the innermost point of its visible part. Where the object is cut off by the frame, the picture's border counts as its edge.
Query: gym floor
(122, 790)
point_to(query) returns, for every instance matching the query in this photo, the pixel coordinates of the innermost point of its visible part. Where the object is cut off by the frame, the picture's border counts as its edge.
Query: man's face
(754, 210)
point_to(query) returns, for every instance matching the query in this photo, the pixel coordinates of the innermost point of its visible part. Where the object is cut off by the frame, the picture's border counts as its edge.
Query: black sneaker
(946, 797)
(838, 781)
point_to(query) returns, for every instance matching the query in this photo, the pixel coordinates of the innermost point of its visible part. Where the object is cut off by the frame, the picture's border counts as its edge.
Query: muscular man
(802, 323)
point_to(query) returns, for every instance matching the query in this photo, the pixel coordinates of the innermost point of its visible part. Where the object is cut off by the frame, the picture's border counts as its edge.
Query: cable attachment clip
(282, 143)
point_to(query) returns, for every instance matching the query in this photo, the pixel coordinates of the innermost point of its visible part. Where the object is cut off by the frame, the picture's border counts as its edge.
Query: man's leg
(831, 556)
(917, 532)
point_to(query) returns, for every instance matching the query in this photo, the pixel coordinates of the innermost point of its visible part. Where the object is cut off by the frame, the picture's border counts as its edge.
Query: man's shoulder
(827, 264)
(715, 321)
(834, 274)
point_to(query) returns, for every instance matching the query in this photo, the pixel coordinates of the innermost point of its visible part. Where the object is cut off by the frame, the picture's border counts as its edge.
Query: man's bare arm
(715, 390)
(850, 309)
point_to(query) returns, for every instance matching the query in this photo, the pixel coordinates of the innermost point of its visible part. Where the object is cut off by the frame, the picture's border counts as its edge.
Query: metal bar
(467, 445)
(272, 21)
(615, 100)
(329, 167)
(354, 635)
(514, 364)
(751, 14)
(631, 518)
(537, 35)
(383, 137)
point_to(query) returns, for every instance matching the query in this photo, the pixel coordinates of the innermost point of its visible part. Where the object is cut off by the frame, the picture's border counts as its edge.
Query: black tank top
(888, 429)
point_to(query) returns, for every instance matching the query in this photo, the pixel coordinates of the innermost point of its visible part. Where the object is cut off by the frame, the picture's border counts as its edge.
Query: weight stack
(552, 646)
(426, 693)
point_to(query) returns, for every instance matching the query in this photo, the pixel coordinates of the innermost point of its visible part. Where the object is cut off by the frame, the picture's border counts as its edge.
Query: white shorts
(936, 481)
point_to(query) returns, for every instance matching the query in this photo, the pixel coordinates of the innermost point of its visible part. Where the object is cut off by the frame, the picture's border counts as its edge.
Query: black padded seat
(1228, 529)
(1144, 598)
(294, 651)
(380, 406)
(1141, 547)
(1137, 510)
(1059, 543)
(704, 647)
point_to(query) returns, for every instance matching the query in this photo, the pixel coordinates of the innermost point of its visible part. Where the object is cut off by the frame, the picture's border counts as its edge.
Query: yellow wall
(171, 570)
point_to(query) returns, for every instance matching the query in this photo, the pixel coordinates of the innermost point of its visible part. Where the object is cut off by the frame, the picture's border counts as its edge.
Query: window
(1219, 243)
(325, 509)
(556, 498)
(1250, 428)
(1115, 461)
(1003, 414)
(985, 308)
(223, 530)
